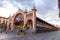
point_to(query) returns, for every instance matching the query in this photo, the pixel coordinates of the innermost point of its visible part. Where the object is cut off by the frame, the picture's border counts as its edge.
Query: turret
(10, 16)
(34, 17)
(34, 8)
(25, 11)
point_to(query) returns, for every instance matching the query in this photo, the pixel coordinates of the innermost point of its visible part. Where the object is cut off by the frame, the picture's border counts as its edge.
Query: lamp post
(59, 7)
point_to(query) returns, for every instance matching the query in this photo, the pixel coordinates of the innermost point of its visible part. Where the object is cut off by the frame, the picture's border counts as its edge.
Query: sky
(46, 9)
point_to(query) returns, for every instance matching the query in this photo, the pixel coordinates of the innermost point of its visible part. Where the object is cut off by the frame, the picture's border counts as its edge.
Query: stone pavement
(54, 35)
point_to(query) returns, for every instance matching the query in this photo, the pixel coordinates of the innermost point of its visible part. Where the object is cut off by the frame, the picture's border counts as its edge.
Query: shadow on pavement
(44, 31)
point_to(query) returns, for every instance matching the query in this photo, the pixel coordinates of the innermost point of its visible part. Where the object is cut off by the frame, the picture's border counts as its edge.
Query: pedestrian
(1, 31)
(6, 32)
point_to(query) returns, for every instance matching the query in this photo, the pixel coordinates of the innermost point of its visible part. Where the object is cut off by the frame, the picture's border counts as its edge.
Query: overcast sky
(46, 9)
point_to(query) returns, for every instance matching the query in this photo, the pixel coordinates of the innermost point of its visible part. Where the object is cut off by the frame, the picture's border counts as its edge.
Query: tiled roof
(39, 19)
(3, 17)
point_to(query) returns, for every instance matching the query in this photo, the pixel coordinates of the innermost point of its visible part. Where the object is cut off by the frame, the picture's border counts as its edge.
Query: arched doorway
(29, 24)
(19, 22)
(29, 27)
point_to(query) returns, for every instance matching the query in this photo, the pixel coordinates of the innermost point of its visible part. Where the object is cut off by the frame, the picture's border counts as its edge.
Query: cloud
(51, 16)
(39, 2)
(45, 5)
(8, 8)
(11, 6)
(46, 9)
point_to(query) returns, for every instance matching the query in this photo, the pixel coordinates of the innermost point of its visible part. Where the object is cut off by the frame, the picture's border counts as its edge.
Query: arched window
(19, 18)
(19, 21)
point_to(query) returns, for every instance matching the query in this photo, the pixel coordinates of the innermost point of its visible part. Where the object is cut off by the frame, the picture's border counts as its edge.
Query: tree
(3, 27)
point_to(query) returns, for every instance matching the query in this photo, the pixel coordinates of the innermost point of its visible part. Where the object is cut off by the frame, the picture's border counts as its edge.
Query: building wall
(3, 20)
(28, 15)
(46, 25)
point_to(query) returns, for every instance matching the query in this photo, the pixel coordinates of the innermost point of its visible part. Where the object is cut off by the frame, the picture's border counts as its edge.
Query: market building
(23, 18)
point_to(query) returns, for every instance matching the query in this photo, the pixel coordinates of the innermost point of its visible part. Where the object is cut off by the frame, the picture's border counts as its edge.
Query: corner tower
(34, 16)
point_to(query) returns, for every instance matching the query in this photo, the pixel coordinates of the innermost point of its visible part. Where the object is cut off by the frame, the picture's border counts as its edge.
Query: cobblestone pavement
(54, 35)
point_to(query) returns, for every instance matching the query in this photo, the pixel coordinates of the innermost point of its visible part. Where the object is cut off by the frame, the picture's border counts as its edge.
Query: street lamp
(59, 7)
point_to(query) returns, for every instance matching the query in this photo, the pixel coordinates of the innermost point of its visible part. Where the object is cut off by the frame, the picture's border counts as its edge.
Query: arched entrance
(29, 24)
(19, 22)
(29, 27)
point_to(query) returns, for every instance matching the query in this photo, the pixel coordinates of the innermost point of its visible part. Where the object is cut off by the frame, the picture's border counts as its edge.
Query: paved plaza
(53, 35)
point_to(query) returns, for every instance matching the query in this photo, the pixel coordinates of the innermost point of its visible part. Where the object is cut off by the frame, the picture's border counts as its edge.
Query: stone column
(7, 25)
(11, 27)
(25, 13)
(34, 17)
(34, 23)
